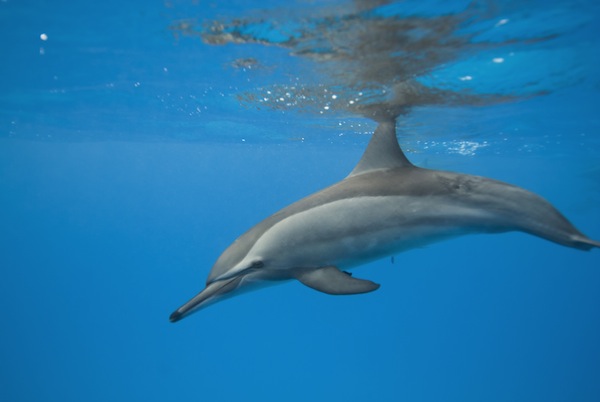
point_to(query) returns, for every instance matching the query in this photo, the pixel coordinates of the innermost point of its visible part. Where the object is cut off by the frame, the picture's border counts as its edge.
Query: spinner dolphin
(386, 205)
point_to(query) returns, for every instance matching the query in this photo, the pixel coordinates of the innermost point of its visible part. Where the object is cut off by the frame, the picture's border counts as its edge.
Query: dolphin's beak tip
(176, 316)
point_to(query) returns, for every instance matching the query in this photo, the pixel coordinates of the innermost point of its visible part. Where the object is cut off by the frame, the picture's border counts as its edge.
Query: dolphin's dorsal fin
(383, 151)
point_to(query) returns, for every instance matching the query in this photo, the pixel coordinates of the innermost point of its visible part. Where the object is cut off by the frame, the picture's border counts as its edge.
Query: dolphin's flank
(386, 205)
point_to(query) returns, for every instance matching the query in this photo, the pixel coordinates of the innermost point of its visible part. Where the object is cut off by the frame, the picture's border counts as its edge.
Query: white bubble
(498, 59)
(44, 37)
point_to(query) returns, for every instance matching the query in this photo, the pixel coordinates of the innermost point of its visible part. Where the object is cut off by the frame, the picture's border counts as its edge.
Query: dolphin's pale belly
(352, 231)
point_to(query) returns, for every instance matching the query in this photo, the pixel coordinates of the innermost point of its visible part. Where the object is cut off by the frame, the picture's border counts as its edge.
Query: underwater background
(139, 139)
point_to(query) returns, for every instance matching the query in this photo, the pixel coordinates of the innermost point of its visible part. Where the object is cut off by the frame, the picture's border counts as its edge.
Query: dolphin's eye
(257, 264)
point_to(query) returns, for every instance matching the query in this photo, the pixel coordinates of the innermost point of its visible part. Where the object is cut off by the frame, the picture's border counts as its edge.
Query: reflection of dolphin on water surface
(386, 205)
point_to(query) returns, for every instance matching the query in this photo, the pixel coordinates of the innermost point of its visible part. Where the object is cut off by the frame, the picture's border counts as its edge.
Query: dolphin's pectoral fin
(335, 282)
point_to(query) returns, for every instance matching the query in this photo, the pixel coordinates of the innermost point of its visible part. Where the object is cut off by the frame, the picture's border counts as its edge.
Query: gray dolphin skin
(386, 205)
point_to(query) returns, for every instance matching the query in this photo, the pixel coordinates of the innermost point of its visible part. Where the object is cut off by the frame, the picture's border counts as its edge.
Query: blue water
(133, 150)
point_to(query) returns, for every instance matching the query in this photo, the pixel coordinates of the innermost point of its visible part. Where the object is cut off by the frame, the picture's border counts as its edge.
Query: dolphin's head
(231, 283)
(210, 294)
(236, 271)
(217, 291)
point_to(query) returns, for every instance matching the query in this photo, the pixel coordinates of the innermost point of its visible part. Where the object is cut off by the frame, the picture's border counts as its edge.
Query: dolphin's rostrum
(386, 205)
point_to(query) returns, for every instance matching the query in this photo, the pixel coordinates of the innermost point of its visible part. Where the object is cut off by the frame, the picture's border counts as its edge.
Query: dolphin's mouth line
(234, 275)
(224, 282)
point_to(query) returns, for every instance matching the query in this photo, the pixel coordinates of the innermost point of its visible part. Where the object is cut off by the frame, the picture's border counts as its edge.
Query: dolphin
(384, 206)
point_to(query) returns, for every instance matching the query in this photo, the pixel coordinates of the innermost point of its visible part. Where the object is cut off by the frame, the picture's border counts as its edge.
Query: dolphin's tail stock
(535, 215)
(583, 242)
